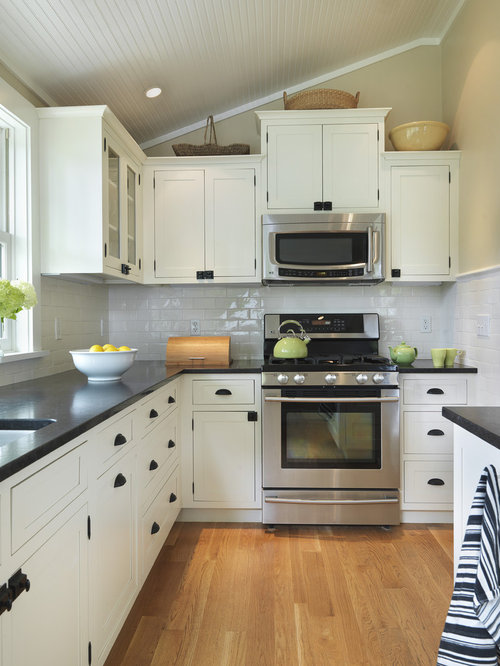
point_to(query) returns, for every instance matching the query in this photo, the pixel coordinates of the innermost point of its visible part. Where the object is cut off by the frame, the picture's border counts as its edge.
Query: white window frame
(20, 118)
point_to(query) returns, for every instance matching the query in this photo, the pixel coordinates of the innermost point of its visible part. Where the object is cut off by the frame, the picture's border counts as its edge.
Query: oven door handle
(292, 500)
(279, 399)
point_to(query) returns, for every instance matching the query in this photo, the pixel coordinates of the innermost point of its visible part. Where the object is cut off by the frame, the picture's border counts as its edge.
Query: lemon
(96, 348)
(124, 348)
(109, 347)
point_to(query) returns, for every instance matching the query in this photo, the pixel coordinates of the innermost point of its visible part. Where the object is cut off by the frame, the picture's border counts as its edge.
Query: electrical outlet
(426, 324)
(483, 325)
(195, 327)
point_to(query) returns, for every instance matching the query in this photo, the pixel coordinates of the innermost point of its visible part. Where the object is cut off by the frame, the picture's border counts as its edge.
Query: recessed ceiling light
(153, 92)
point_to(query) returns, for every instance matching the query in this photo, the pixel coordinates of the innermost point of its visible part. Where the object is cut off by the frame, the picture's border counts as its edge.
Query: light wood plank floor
(234, 595)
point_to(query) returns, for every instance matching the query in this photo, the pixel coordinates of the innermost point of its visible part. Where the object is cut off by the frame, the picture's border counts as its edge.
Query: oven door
(331, 438)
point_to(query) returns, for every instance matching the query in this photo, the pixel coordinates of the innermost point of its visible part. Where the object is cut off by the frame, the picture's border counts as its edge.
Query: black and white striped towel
(471, 634)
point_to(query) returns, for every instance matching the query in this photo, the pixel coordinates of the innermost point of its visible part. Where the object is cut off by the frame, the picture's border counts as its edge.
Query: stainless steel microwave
(323, 248)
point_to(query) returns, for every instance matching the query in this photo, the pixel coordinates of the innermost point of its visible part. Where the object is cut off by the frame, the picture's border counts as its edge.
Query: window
(15, 336)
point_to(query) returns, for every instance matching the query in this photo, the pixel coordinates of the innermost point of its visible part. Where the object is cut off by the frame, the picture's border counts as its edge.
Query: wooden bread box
(199, 351)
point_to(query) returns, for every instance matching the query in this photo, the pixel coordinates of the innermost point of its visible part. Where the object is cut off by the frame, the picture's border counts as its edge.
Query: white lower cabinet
(222, 468)
(224, 458)
(113, 566)
(427, 444)
(47, 625)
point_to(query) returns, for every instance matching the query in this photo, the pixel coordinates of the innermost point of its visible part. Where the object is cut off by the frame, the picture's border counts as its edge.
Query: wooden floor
(232, 594)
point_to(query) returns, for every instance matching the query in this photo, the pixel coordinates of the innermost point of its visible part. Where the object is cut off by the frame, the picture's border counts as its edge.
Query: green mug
(438, 357)
(449, 360)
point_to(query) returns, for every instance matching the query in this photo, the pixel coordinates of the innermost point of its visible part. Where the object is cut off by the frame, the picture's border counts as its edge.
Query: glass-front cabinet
(121, 247)
(90, 195)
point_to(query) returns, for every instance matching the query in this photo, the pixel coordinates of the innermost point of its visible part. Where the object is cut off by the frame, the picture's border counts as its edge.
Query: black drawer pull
(172, 497)
(435, 432)
(18, 583)
(120, 439)
(171, 399)
(318, 205)
(119, 481)
(5, 598)
(155, 528)
(153, 414)
(436, 391)
(327, 205)
(223, 392)
(171, 444)
(153, 465)
(435, 482)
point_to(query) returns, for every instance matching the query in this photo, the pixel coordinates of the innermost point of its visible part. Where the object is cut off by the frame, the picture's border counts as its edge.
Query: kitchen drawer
(35, 501)
(110, 442)
(439, 391)
(427, 432)
(158, 519)
(417, 475)
(157, 407)
(230, 392)
(157, 452)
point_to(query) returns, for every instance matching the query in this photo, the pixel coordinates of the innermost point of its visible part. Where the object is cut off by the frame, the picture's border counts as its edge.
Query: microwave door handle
(369, 260)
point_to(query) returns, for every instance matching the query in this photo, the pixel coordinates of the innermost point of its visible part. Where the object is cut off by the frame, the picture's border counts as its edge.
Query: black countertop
(425, 365)
(78, 405)
(484, 422)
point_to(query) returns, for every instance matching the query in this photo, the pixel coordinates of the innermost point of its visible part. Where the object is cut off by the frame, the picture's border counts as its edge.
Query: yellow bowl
(420, 135)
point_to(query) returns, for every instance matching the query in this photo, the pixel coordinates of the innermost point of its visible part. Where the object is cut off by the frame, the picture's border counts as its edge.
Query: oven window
(322, 249)
(331, 435)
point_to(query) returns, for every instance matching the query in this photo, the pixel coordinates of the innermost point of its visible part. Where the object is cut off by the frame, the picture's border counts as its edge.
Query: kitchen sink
(12, 429)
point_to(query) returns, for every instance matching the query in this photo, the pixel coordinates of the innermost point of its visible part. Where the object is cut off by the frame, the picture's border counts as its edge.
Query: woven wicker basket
(210, 146)
(321, 98)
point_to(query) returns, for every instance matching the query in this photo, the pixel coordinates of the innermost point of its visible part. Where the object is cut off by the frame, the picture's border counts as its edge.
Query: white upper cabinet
(202, 223)
(90, 194)
(423, 215)
(322, 160)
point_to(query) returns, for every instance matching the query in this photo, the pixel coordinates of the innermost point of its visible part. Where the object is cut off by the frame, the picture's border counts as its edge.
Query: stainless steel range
(330, 425)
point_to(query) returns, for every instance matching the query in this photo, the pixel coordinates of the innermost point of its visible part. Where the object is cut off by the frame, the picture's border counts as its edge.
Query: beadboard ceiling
(208, 56)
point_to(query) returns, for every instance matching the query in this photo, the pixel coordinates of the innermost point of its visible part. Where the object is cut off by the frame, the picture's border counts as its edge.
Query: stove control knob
(282, 379)
(299, 379)
(330, 379)
(378, 378)
(361, 378)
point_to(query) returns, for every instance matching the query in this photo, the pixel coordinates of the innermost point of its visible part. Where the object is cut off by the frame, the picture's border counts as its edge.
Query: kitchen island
(476, 443)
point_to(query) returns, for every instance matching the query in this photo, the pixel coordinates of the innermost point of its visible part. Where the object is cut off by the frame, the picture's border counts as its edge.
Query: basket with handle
(210, 145)
(321, 98)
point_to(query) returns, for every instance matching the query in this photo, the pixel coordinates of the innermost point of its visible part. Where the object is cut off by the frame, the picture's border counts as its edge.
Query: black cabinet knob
(171, 444)
(155, 528)
(119, 481)
(327, 205)
(171, 399)
(435, 482)
(318, 205)
(172, 497)
(120, 439)
(153, 414)
(153, 465)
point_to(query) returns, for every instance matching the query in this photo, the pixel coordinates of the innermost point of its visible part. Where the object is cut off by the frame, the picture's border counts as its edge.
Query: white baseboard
(220, 516)
(427, 516)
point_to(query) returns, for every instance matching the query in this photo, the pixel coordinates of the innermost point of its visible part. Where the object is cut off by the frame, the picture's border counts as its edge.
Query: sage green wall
(409, 83)
(471, 104)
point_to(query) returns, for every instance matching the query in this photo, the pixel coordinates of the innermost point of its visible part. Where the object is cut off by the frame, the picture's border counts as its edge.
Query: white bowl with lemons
(103, 364)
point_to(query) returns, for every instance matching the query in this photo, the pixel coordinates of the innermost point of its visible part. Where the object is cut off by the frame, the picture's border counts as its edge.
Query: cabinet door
(294, 166)
(421, 220)
(47, 626)
(350, 165)
(131, 218)
(224, 458)
(230, 222)
(179, 223)
(113, 576)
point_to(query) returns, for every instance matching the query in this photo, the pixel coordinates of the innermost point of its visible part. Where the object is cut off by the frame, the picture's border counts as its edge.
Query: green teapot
(291, 345)
(403, 354)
